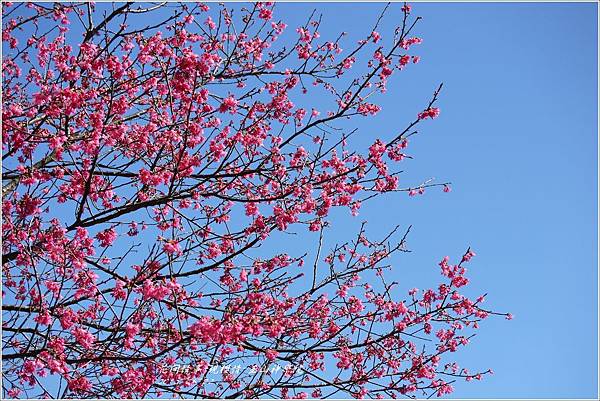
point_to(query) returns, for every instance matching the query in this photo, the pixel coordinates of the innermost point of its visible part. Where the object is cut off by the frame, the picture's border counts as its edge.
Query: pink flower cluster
(431, 112)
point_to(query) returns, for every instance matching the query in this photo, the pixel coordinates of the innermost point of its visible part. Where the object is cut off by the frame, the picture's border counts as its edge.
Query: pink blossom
(265, 14)
(44, 318)
(244, 275)
(79, 385)
(271, 354)
(171, 247)
(229, 104)
(118, 291)
(432, 113)
(107, 237)
(251, 209)
(84, 337)
(156, 291)
(132, 329)
(467, 256)
(210, 23)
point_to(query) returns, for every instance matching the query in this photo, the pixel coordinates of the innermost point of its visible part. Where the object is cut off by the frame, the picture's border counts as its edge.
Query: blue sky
(517, 137)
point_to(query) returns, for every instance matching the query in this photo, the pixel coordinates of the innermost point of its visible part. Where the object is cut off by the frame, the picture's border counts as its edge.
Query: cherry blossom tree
(149, 150)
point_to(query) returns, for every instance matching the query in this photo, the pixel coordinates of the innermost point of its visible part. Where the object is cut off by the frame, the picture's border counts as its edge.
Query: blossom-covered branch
(148, 151)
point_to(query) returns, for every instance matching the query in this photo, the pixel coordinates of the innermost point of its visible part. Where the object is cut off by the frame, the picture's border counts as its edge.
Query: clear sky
(517, 137)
